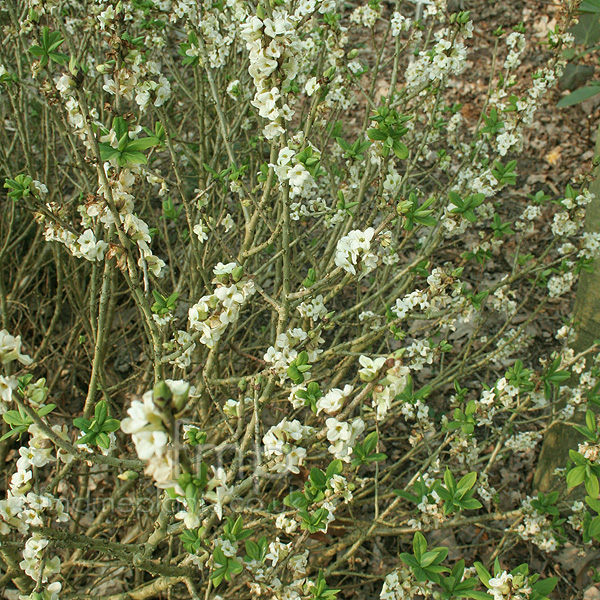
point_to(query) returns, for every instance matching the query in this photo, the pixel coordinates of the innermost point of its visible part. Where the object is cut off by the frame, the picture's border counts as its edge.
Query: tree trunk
(560, 438)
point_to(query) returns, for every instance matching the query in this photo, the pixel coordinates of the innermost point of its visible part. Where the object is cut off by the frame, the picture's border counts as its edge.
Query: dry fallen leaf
(592, 593)
(553, 156)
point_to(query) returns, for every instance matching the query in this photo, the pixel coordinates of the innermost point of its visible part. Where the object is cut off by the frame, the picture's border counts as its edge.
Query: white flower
(89, 247)
(286, 523)
(342, 436)
(219, 496)
(273, 130)
(370, 367)
(7, 385)
(38, 188)
(221, 269)
(201, 231)
(500, 586)
(399, 23)
(10, 349)
(315, 309)
(233, 89)
(285, 156)
(277, 551)
(146, 427)
(266, 101)
(332, 402)
(227, 222)
(163, 91)
(298, 175)
(162, 470)
(354, 246)
(190, 519)
(312, 86)
(30, 456)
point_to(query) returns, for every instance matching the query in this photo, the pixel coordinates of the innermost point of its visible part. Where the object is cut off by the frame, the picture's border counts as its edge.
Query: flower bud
(237, 273)
(161, 394)
(329, 73)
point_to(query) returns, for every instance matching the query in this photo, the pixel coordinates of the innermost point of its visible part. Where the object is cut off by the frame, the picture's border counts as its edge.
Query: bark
(560, 438)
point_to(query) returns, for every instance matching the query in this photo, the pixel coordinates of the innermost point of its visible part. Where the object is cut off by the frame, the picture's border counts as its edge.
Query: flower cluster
(148, 426)
(342, 436)
(333, 401)
(285, 350)
(402, 584)
(388, 388)
(505, 585)
(213, 313)
(273, 46)
(447, 57)
(281, 443)
(537, 527)
(354, 250)
(314, 309)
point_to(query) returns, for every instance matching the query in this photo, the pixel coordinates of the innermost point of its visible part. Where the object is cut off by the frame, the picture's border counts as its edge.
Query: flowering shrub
(277, 302)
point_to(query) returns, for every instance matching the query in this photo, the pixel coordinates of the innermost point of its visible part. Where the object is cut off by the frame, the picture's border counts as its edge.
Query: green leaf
(579, 95)
(103, 440)
(111, 425)
(335, 468)
(400, 150)
(591, 486)
(590, 6)
(409, 560)
(132, 158)
(9, 434)
(252, 551)
(123, 142)
(428, 558)
(86, 439)
(59, 57)
(590, 420)
(476, 595)
(219, 556)
(376, 457)
(587, 31)
(449, 480)
(483, 573)
(376, 134)
(471, 504)
(577, 458)
(142, 144)
(419, 545)
(37, 50)
(467, 482)
(370, 442)
(101, 412)
(545, 586)
(217, 575)
(594, 528)
(593, 503)
(302, 358)
(44, 410)
(235, 567)
(575, 476)
(81, 423)
(107, 151)
(318, 478)
(407, 496)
